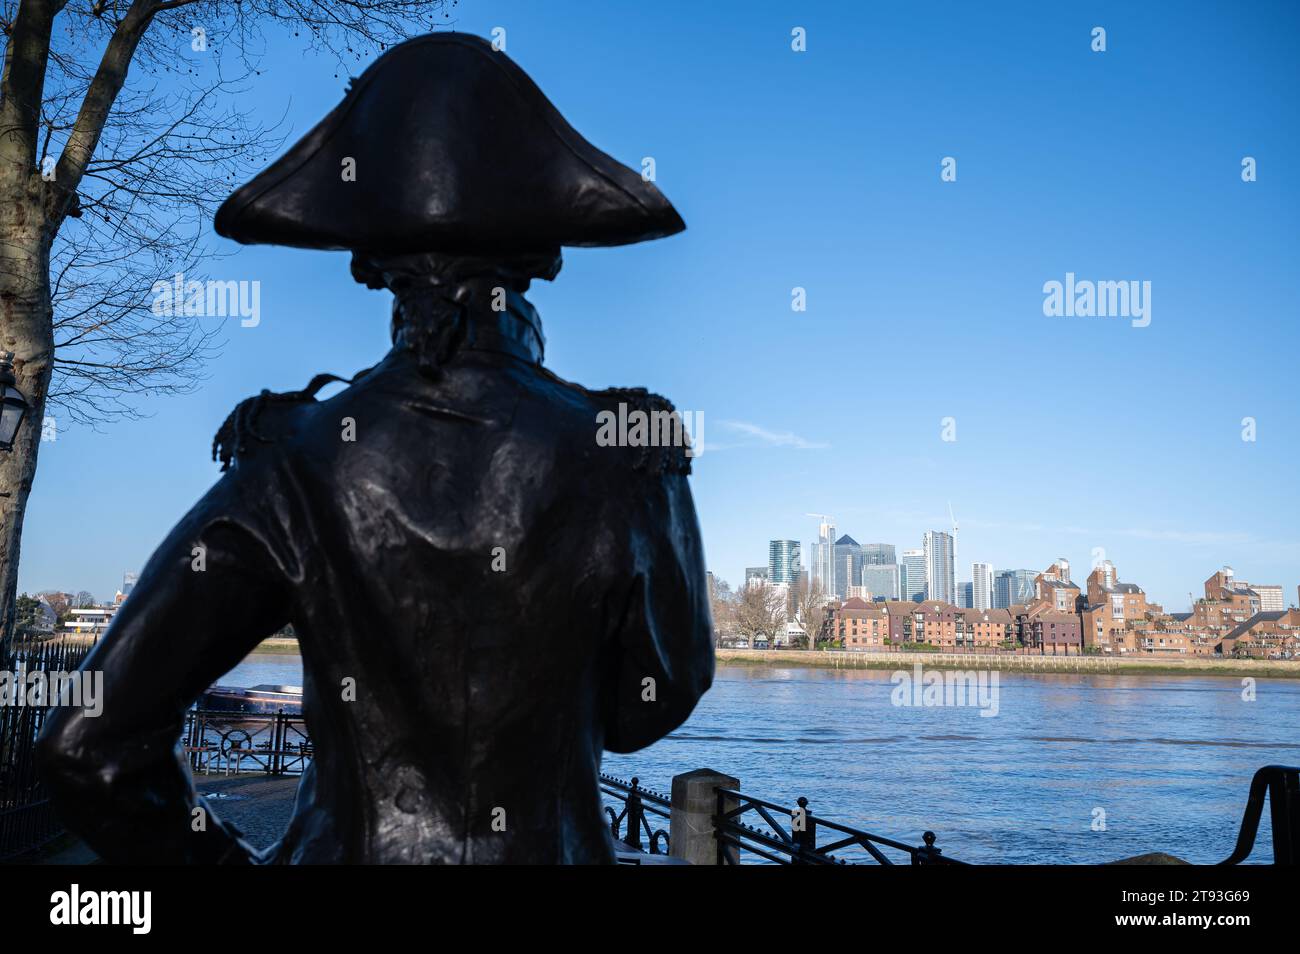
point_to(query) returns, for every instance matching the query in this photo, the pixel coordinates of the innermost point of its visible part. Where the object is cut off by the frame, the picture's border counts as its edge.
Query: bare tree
(722, 601)
(58, 601)
(809, 606)
(760, 610)
(120, 129)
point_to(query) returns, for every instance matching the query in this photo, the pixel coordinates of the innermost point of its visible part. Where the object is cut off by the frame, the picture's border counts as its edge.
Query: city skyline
(1036, 611)
(986, 578)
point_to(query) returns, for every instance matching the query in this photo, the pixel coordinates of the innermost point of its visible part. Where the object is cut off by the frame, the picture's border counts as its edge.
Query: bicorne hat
(445, 145)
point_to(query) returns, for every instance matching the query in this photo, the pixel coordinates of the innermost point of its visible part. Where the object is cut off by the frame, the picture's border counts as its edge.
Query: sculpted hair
(433, 294)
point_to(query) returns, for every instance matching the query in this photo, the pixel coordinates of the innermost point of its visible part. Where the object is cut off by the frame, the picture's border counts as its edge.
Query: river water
(1072, 769)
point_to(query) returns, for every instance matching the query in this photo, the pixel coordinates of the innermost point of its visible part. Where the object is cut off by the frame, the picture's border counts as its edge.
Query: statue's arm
(207, 596)
(664, 643)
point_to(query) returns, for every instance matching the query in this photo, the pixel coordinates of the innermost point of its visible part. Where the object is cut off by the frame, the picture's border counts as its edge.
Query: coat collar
(492, 316)
(515, 331)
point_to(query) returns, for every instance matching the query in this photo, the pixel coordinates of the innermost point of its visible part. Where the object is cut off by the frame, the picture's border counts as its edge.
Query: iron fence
(222, 742)
(798, 846)
(27, 819)
(233, 742)
(631, 807)
(637, 804)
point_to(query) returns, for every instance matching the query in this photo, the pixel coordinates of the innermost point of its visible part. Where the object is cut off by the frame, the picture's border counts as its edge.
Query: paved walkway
(258, 805)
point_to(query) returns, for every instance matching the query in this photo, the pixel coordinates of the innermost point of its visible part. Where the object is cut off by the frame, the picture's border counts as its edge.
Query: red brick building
(1271, 635)
(1049, 631)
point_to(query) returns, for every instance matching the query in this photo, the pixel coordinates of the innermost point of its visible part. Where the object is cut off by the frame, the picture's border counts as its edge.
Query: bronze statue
(502, 596)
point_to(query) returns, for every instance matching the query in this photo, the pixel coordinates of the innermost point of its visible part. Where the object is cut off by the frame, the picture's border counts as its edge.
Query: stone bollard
(694, 801)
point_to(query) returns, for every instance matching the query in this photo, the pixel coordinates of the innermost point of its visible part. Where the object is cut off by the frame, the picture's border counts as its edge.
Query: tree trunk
(26, 329)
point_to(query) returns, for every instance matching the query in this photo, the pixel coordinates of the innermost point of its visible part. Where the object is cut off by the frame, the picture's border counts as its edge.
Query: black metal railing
(233, 742)
(27, 819)
(1281, 784)
(637, 803)
(798, 845)
(221, 742)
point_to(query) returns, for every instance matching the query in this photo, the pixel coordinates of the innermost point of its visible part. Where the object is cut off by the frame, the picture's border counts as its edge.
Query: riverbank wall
(284, 647)
(1010, 662)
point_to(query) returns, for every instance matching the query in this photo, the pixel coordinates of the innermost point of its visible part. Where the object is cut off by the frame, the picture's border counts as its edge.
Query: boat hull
(258, 700)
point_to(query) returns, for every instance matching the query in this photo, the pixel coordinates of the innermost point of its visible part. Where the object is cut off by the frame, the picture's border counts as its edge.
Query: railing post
(695, 801)
(929, 855)
(803, 831)
(635, 814)
(277, 743)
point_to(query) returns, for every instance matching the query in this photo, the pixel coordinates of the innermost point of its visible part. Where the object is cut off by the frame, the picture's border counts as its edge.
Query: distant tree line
(31, 621)
(760, 612)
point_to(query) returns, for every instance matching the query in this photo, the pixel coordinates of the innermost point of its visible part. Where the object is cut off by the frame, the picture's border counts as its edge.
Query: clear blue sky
(821, 170)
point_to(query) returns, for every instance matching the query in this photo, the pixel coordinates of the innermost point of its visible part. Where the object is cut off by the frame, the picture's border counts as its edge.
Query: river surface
(1162, 762)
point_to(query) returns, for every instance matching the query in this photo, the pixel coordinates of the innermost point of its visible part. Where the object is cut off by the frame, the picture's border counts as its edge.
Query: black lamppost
(13, 406)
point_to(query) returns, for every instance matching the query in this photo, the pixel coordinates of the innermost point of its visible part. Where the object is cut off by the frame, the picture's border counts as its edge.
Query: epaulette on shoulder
(247, 425)
(647, 426)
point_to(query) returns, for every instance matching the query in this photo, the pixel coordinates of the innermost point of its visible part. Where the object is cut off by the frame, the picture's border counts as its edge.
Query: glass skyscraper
(848, 565)
(981, 575)
(939, 576)
(783, 562)
(1013, 586)
(881, 580)
(823, 558)
(912, 575)
(878, 554)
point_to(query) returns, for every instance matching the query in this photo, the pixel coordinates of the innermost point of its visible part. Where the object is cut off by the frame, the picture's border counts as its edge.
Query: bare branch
(150, 141)
(102, 92)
